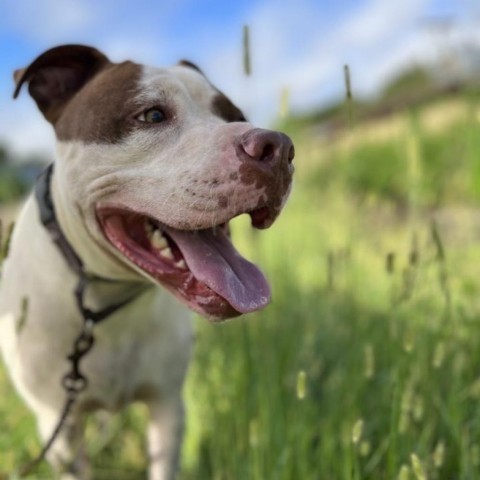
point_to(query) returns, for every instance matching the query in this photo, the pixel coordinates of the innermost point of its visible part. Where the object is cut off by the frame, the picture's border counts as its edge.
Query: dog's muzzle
(201, 266)
(266, 159)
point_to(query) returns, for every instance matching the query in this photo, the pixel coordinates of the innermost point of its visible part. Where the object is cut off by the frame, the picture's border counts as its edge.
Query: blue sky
(300, 45)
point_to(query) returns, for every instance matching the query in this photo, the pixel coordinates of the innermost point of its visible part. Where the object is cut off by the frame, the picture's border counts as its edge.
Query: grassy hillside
(366, 366)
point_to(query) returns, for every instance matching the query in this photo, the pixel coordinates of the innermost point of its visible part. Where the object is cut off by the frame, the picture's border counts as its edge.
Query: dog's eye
(153, 115)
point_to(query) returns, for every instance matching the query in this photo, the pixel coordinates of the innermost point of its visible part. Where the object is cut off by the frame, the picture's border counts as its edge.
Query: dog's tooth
(181, 264)
(166, 253)
(158, 240)
(149, 228)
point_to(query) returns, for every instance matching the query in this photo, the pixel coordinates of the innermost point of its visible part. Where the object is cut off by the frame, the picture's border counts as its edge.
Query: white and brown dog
(151, 165)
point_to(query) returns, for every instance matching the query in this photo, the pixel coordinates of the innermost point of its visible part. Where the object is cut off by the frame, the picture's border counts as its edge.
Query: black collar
(49, 221)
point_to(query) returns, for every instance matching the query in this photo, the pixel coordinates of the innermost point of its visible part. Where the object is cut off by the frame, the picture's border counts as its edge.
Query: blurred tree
(16, 177)
(3, 155)
(415, 79)
(11, 186)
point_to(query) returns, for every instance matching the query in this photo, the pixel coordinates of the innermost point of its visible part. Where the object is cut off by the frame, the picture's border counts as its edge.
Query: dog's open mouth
(201, 267)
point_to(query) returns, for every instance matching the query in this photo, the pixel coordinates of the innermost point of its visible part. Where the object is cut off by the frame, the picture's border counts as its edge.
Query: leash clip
(74, 382)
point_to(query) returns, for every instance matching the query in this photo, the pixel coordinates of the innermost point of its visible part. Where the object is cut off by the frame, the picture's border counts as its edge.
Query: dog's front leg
(165, 432)
(67, 454)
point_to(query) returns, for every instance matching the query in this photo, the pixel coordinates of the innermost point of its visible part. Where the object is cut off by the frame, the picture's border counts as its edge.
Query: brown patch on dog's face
(102, 112)
(222, 106)
(226, 110)
(274, 185)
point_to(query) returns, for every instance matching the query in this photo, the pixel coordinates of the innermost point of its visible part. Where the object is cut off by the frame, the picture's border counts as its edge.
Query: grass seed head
(417, 467)
(439, 454)
(369, 361)
(301, 385)
(404, 473)
(357, 431)
(438, 355)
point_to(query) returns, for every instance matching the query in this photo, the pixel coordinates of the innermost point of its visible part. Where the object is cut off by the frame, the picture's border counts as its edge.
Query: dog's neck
(102, 287)
(49, 220)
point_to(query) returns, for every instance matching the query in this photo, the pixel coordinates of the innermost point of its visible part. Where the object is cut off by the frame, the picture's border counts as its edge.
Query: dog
(151, 165)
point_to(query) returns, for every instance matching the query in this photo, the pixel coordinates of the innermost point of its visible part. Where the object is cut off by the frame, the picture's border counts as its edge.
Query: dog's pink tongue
(214, 261)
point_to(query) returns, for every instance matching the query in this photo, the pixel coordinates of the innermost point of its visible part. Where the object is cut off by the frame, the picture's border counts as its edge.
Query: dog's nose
(266, 147)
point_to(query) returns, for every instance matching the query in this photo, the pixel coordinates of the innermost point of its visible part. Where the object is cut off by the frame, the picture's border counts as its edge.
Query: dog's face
(155, 162)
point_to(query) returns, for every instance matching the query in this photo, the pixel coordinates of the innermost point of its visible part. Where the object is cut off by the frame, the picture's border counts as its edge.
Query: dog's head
(154, 163)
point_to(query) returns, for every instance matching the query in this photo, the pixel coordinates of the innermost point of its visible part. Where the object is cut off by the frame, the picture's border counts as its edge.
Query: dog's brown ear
(56, 75)
(17, 76)
(189, 64)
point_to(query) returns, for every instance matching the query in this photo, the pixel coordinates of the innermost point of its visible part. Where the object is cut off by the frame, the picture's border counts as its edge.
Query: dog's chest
(139, 354)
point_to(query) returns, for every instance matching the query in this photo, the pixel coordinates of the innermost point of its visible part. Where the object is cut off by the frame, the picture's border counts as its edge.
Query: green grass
(367, 363)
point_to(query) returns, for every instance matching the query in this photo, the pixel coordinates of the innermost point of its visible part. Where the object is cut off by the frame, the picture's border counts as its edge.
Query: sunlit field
(367, 363)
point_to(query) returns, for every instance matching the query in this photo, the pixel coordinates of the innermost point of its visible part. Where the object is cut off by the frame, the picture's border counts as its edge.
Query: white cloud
(375, 38)
(377, 20)
(142, 50)
(294, 46)
(413, 49)
(48, 21)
